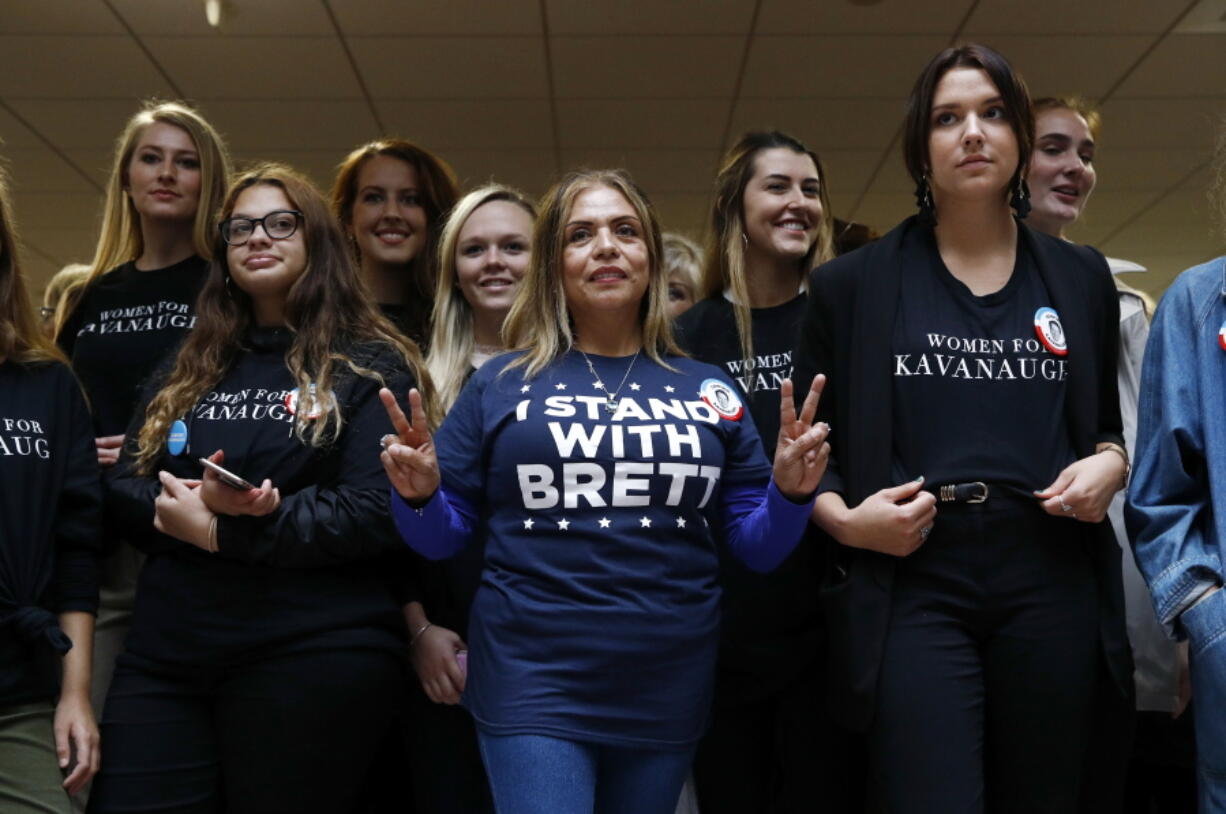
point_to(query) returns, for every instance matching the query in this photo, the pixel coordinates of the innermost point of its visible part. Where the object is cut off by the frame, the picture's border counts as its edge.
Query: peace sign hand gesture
(408, 456)
(802, 451)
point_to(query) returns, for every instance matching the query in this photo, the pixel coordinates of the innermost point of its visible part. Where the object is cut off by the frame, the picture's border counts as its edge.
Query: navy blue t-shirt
(597, 617)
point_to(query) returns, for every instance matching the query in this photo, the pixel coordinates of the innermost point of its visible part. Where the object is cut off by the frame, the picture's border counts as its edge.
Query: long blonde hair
(451, 332)
(120, 239)
(21, 340)
(327, 311)
(539, 322)
(724, 266)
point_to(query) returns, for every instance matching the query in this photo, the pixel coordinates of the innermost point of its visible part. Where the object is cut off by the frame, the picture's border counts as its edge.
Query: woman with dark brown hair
(265, 658)
(50, 521)
(974, 586)
(391, 197)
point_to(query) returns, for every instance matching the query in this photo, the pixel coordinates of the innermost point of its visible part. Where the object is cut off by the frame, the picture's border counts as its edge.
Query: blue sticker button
(177, 442)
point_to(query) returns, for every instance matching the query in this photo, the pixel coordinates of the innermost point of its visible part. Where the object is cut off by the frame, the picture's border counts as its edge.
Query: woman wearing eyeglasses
(265, 657)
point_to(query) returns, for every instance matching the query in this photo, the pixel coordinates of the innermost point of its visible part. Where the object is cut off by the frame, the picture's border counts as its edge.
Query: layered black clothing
(50, 518)
(847, 334)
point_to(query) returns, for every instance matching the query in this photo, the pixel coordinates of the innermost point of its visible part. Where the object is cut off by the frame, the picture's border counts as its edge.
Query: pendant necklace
(610, 402)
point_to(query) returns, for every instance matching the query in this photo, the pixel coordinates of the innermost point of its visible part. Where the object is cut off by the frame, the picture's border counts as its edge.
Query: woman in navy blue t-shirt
(600, 467)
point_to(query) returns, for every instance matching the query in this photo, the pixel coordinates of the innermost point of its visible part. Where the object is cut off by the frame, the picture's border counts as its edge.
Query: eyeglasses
(278, 225)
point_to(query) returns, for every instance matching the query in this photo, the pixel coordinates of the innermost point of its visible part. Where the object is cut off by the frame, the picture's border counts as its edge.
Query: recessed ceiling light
(213, 12)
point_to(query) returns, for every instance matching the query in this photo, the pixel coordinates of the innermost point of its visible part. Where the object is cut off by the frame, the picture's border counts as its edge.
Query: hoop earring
(923, 199)
(1020, 199)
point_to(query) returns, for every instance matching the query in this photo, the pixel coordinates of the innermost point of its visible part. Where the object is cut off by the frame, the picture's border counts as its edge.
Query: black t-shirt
(126, 321)
(979, 382)
(50, 514)
(770, 625)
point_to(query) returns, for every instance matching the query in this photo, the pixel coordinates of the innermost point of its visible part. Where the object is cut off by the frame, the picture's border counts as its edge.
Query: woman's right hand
(108, 449)
(409, 458)
(894, 521)
(434, 661)
(222, 499)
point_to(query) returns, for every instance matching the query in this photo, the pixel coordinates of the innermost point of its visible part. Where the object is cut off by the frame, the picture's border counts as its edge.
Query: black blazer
(846, 334)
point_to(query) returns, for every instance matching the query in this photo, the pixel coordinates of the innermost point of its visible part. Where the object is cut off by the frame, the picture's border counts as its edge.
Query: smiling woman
(973, 682)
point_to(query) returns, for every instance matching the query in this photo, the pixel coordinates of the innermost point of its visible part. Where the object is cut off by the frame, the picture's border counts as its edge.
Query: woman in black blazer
(976, 446)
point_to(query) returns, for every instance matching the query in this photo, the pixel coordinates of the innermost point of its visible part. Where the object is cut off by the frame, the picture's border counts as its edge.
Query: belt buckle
(983, 496)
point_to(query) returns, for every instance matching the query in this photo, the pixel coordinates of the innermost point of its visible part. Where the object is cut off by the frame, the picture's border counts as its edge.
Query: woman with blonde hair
(50, 517)
(391, 196)
(138, 301)
(484, 249)
(770, 225)
(683, 265)
(261, 607)
(599, 466)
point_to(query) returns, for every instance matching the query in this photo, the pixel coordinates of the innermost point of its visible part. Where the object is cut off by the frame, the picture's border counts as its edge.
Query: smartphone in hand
(226, 476)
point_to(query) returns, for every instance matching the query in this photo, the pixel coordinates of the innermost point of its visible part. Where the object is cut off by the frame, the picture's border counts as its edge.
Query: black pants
(780, 754)
(1162, 773)
(989, 666)
(296, 733)
(445, 763)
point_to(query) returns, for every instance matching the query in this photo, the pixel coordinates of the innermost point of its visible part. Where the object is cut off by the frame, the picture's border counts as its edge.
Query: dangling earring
(923, 199)
(745, 240)
(1020, 200)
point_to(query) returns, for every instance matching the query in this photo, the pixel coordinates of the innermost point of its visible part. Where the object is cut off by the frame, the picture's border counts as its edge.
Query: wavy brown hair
(327, 310)
(120, 239)
(21, 339)
(724, 265)
(439, 191)
(539, 322)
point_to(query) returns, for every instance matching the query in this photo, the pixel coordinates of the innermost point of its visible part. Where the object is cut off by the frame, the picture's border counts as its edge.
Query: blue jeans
(534, 773)
(1205, 624)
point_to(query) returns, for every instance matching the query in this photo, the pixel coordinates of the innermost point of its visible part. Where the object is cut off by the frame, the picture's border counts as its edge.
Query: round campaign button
(1221, 336)
(722, 399)
(1049, 330)
(317, 404)
(176, 442)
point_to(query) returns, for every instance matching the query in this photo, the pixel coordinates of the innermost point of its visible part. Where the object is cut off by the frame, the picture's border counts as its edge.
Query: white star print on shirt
(598, 385)
(645, 522)
(525, 388)
(635, 386)
(668, 388)
(604, 522)
(680, 522)
(528, 524)
(564, 524)
(560, 386)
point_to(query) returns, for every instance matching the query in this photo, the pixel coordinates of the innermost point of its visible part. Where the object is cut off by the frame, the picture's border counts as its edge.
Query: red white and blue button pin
(1049, 330)
(1221, 336)
(721, 398)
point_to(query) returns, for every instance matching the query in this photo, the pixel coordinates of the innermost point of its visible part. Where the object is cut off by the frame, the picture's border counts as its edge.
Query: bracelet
(413, 639)
(211, 543)
(1118, 450)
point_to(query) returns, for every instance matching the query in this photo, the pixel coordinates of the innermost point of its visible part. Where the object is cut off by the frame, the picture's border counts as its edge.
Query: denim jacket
(1179, 469)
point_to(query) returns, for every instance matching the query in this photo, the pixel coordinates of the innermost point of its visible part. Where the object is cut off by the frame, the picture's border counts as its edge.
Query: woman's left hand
(1083, 491)
(801, 452)
(181, 513)
(76, 737)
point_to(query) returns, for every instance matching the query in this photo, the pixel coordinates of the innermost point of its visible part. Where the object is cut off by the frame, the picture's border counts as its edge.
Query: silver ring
(925, 531)
(1064, 507)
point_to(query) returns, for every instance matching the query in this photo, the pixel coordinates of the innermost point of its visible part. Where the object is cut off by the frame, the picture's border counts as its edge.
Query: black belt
(974, 492)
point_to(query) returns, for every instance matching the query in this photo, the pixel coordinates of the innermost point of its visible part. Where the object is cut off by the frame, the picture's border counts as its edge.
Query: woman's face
(1061, 174)
(972, 151)
(605, 259)
(680, 294)
(163, 174)
(264, 267)
(389, 221)
(781, 204)
(492, 254)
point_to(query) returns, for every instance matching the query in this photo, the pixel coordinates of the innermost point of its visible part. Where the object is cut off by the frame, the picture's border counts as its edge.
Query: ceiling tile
(681, 212)
(889, 17)
(688, 171)
(257, 67)
(271, 126)
(651, 17)
(530, 171)
(452, 67)
(641, 67)
(58, 17)
(63, 246)
(824, 124)
(94, 67)
(847, 171)
(282, 18)
(780, 67)
(1138, 170)
(467, 18)
(1064, 17)
(50, 209)
(1183, 124)
(883, 210)
(1056, 65)
(640, 123)
(83, 124)
(37, 169)
(1182, 65)
(471, 125)
(14, 134)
